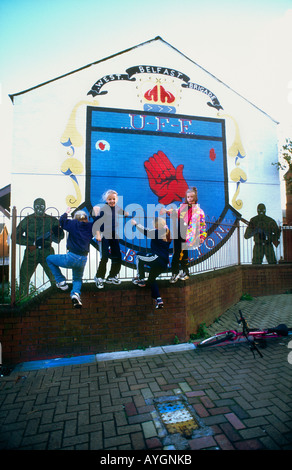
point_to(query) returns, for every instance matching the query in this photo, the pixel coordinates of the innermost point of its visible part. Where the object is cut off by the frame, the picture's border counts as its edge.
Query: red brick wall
(124, 317)
(267, 279)
(209, 295)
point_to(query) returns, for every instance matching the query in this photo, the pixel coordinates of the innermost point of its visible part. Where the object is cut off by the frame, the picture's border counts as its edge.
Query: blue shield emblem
(151, 159)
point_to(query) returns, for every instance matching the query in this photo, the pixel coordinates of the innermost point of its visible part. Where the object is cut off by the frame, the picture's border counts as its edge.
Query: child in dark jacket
(80, 235)
(156, 260)
(106, 233)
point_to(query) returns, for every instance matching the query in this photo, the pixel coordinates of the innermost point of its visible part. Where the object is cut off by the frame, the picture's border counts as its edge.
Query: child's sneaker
(99, 282)
(184, 276)
(76, 300)
(139, 282)
(159, 302)
(113, 280)
(174, 278)
(62, 285)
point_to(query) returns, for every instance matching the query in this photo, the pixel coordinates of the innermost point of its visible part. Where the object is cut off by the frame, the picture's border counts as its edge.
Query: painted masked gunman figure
(265, 233)
(37, 232)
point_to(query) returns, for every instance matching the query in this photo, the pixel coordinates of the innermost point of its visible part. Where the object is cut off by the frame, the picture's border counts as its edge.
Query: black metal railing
(24, 272)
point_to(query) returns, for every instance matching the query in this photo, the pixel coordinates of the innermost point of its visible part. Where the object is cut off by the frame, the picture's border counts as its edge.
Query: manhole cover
(177, 418)
(177, 422)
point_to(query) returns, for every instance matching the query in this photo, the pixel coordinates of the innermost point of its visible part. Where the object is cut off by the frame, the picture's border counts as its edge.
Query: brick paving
(242, 403)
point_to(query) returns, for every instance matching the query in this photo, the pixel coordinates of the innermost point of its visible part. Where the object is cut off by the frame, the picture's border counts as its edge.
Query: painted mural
(37, 232)
(266, 235)
(151, 155)
(149, 132)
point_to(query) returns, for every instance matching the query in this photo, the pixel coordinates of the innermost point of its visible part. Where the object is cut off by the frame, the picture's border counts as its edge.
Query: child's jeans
(70, 260)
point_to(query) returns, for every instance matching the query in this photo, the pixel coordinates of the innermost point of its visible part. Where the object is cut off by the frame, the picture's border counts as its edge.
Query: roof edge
(12, 95)
(220, 81)
(157, 38)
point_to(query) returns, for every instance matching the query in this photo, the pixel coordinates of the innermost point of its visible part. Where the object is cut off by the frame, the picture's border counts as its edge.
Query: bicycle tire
(216, 339)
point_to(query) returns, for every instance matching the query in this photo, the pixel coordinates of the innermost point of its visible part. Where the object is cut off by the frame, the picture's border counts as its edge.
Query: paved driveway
(236, 401)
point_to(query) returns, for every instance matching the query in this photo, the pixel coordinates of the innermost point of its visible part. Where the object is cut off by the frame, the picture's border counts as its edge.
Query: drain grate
(176, 421)
(177, 418)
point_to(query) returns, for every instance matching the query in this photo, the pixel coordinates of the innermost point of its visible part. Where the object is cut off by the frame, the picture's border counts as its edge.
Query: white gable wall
(41, 116)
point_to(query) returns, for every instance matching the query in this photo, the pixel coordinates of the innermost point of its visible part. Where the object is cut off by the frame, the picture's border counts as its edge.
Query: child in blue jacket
(79, 238)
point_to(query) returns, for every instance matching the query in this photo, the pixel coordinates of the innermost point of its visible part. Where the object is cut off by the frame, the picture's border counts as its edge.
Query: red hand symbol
(165, 181)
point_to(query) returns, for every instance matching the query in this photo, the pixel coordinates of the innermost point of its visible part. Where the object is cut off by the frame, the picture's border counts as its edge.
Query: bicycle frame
(252, 336)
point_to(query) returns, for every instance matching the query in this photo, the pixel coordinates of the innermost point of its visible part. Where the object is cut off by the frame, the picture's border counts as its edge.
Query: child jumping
(107, 235)
(157, 260)
(79, 238)
(191, 232)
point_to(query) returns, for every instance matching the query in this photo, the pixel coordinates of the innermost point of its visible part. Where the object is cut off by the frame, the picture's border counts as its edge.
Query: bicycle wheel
(216, 339)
